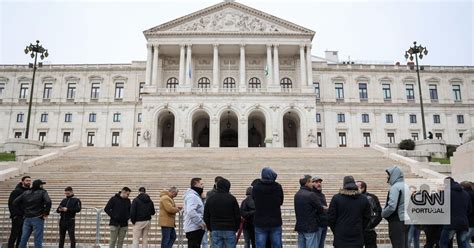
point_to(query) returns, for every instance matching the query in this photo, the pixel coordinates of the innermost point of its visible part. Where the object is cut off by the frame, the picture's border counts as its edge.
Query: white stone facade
(230, 75)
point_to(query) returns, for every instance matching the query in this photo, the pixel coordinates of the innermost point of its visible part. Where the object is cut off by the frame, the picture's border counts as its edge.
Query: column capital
(215, 45)
(269, 46)
(309, 45)
(182, 45)
(276, 45)
(302, 46)
(156, 46)
(242, 45)
(189, 45)
(149, 46)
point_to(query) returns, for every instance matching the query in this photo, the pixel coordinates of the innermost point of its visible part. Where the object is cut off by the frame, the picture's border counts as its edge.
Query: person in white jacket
(194, 225)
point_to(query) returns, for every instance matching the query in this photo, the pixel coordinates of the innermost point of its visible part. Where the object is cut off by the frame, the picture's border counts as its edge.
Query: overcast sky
(111, 31)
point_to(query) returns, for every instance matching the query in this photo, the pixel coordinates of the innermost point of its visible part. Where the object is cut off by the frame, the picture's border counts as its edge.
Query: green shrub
(407, 144)
(450, 149)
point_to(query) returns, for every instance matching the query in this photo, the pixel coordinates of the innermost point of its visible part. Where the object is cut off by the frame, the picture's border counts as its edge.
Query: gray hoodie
(193, 211)
(396, 193)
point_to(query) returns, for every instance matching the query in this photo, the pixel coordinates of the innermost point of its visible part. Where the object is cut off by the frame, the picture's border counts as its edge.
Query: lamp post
(34, 50)
(418, 51)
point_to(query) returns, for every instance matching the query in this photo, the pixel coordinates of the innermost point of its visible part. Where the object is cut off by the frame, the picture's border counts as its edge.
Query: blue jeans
(261, 235)
(205, 241)
(414, 236)
(223, 239)
(33, 225)
(469, 235)
(322, 237)
(309, 240)
(168, 236)
(447, 234)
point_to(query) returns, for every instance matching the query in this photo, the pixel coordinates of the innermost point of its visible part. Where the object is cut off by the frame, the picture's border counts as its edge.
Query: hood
(455, 185)
(349, 183)
(249, 191)
(395, 175)
(144, 197)
(268, 175)
(164, 193)
(349, 192)
(223, 186)
(20, 186)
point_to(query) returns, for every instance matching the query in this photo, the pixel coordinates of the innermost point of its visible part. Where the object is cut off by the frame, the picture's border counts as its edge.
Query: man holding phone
(68, 208)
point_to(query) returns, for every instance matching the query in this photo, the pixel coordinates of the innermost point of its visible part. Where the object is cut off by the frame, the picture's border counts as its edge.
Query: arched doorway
(165, 129)
(229, 135)
(256, 129)
(291, 130)
(200, 129)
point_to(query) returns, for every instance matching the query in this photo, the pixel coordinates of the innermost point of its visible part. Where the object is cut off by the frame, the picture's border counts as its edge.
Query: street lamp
(34, 50)
(418, 51)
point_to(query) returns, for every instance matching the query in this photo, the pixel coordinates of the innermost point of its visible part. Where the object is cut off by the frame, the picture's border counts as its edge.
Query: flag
(266, 70)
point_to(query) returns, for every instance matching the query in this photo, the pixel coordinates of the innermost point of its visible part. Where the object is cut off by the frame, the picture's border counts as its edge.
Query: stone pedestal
(436, 147)
(462, 163)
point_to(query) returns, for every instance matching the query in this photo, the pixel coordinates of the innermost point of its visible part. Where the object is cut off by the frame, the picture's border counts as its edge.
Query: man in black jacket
(322, 216)
(16, 213)
(222, 216)
(370, 236)
(118, 208)
(349, 214)
(268, 197)
(36, 205)
(468, 187)
(68, 208)
(307, 207)
(247, 210)
(140, 215)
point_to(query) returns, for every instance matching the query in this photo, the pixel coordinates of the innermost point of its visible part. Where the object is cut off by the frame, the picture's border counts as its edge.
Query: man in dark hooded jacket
(222, 216)
(118, 208)
(16, 213)
(247, 210)
(468, 187)
(461, 207)
(349, 214)
(268, 197)
(68, 208)
(140, 215)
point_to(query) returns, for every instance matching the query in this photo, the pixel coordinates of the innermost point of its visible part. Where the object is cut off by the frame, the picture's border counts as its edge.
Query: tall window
(366, 137)
(388, 118)
(410, 91)
(115, 138)
(339, 91)
(342, 139)
(42, 136)
(71, 90)
(141, 87)
(365, 118)
(433, 91)
(439, 136)
(318, 117)
(139, 118)
(391, 137)
(2, 89)
(44, 117)
(255, 83)
(460, 119)
(90, 138)
(68, 117)
(47, 91)
(387, 93)
(229, 83)
(23, 91)
(286, 83)
(95, 91)
(204, 83)
(66, 137)
(119, 91)
(457, 92)
(117, 117)
(20, 117)
(92, 117)
(414, 136)
(17, 135)
(363, 91)
(172, 83)
(436, 119)
(138, 138)
(319, 139)
(317, 90)
(412, 119)
(341, 118)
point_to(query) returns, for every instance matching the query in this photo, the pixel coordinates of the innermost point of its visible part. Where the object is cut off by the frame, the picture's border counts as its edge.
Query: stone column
(188, 66)
(148, 64)
(214, 132)
(243, 133)
(302, 66)
(155, 66)
(182, 62)
(242, 66)
(276, 66)
(215, 67)
(309, 65)
(269, 65)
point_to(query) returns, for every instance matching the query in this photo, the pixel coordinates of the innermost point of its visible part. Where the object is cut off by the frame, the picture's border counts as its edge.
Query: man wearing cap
(322, 217)
(68, 208)
(140, 215)
(36, 205)
(118, 209)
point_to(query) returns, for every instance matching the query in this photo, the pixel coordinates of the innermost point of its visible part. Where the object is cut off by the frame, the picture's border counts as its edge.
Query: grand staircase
(97, 173)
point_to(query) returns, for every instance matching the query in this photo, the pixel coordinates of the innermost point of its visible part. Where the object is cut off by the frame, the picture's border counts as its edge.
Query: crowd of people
(352, 214)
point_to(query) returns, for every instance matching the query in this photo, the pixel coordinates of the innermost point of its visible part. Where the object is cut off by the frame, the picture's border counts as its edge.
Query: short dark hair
(217, 179)
(195, 180)
(126, 189)
(363, 185)
(142, 190)
(25, 177)
(305, 179)
(68, 188)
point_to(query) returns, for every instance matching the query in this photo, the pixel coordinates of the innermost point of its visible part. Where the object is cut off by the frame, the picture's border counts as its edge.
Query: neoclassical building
(233, 76)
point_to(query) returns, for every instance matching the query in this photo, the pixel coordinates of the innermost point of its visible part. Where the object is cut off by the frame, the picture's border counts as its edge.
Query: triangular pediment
(229, 18)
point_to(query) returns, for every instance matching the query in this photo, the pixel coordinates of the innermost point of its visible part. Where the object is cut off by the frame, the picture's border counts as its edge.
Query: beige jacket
(168, 210)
